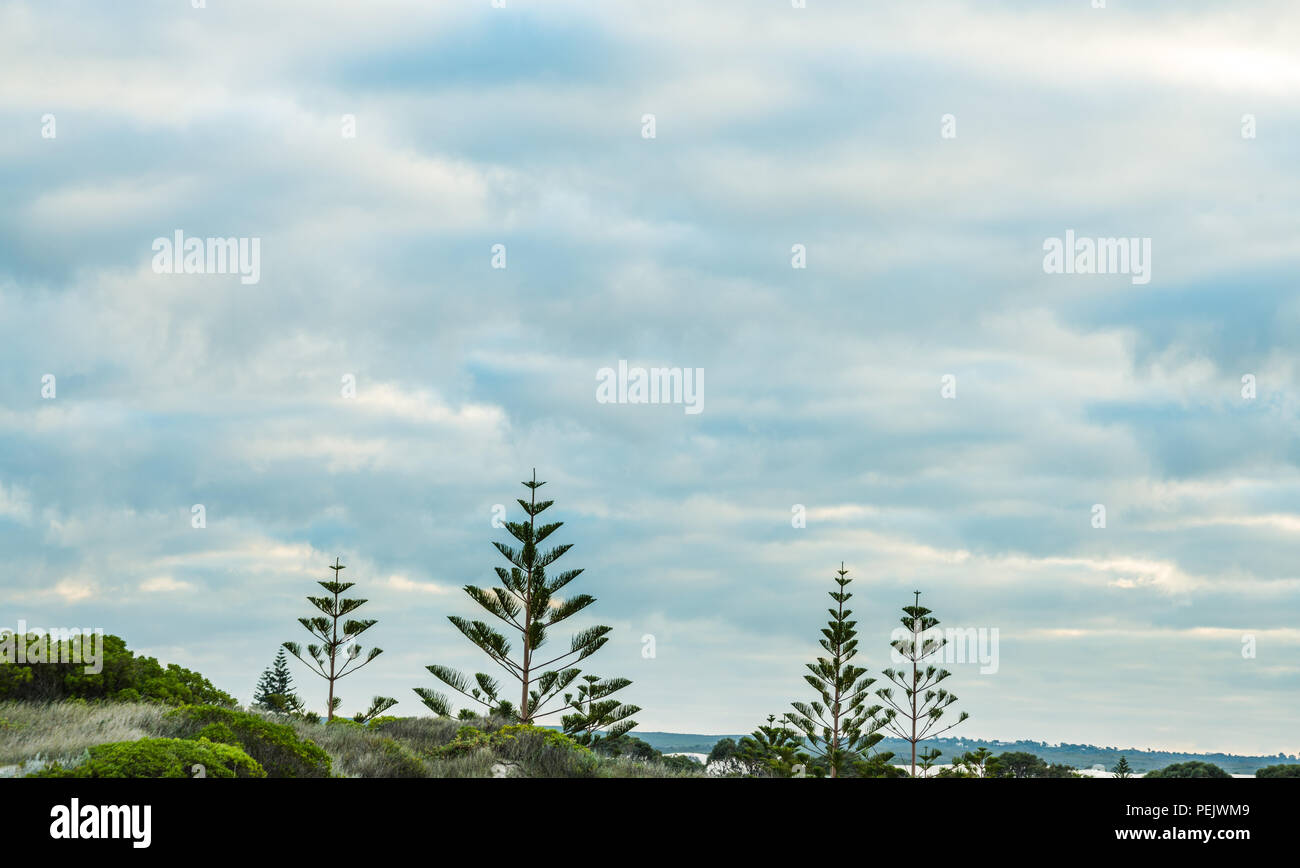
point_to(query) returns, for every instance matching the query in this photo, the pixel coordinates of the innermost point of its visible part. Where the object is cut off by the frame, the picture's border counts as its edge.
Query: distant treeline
(1081, 756)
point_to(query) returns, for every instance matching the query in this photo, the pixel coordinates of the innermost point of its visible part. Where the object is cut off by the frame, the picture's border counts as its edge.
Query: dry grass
(64, 730)
(623, 767)
(402, 748)
(357, 752)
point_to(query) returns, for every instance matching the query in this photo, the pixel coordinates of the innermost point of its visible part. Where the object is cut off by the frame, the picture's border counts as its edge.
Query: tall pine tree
(526, 603)
(841, 726)
(915, 716)
(337, 656)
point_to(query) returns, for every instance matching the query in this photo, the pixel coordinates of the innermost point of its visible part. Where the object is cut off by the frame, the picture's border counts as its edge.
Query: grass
(64, 731)
(395, 748)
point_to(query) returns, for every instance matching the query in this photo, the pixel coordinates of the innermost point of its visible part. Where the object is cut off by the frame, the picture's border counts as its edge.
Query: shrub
(426, 734)
(389, 758)
(1291, 770)
(1190, 769)
(679, 763)
(468, 740)
(274, 745)
(159, 758)
(361, 751)
(521, 749)
(123, 678)
(544, 753)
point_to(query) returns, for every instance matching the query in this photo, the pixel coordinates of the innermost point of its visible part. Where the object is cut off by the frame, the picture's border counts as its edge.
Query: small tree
(978, 763)
(772, 751)
(1283, 770)
(841, 726)
(339, 651)
(1122, 768)
(915, 717)
(723, 756)
(275, 689)
(1189, 769)
(1020, 764)
(595, 712)
(527, 604)
(927, 758)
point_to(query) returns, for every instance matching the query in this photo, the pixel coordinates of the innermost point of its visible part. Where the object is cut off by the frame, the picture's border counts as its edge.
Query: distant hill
(1082, 756)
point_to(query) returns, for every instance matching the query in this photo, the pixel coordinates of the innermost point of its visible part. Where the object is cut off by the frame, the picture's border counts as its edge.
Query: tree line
(833, 734)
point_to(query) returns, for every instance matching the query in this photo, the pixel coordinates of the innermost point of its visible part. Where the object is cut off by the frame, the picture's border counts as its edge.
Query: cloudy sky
(773, 126)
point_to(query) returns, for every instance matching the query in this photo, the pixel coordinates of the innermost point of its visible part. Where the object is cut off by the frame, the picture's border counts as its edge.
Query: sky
(944, 412)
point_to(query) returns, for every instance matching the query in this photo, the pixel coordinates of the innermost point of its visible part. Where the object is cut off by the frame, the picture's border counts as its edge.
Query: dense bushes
(1191, 769)
(124, 678)
(524, 750)
(1291, 770)
(275, 746)
(160, 758)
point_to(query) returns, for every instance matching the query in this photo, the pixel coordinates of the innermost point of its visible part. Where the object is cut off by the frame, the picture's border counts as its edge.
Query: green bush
(1190, 769)
(390, 758)
(468, 739)
(529, 751)
(544, 753)
(123, 678)
(160, 758)
(1286, 770)
(274, 745)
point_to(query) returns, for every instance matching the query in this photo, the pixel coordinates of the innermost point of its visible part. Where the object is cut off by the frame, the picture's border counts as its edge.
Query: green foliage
(841, 726)
(396, 760)
(124, 677)
(344, 721)
(1123, 769)
(526, 602)
(336, 657)
(545, 753)
(523, 750)
(914, 716)
(678, 763)
(468, 740)
(723, 754)
(275, 689)
(160, 758)
(771, 751)
(1021, 764)
(927, 758)
(1193, 769)
(597, 717)
(1289, 770)
(628, 746)
(378, 705)
(975, 764)
(876, 766)
(274, 745)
